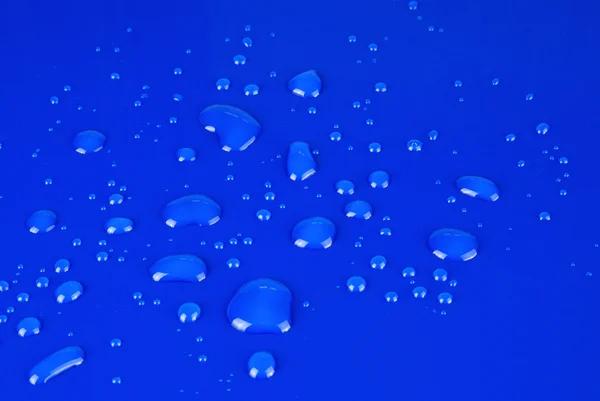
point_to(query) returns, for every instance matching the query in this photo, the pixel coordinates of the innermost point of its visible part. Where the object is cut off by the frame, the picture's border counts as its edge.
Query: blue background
(523, 325)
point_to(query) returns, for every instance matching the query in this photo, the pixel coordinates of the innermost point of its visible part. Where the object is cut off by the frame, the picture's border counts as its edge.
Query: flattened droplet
(261, 306)
(478, 187)
(300, 162)
(192, 209)
(236, 128)
(55, 364)
(306, 84)
(188, 268)
(89, 141)
(68, 292)
(29, 326)
(41, 221)
(314, 233)
(118, 225)
(453, 244)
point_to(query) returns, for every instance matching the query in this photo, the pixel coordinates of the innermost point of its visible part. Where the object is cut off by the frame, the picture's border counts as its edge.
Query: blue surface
(523, 320)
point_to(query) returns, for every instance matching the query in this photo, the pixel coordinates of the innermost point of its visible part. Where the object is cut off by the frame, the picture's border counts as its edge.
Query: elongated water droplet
(261, 306)
(453, 244)
(68, 292)
(236, 128)
(300, 162)
(192, 209)
(55, 364)
(261, 365)
(178, 268)
(89, 141)
(478, 187)
(41, 221)
(306, 84)
(118, 225)
(314, 233)
(29, 326)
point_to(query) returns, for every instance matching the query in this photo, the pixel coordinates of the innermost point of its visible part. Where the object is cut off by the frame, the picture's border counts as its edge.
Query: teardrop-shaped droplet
(478, 187)
(188, 312)
(41, 221)
(68, 292)
(261, 306)
(192, 209)
(30, 326)
(300, 162)
(359, 210)
(236, 128)
(314, 233)
(118, 225)
(55, 364)
(261, 365)
(89, 141)
(453, 244)
(188, 268)
(306, 84)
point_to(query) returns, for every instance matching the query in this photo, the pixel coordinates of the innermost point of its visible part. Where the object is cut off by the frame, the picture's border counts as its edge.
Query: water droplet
(300, 162)
(186, 155)
(478, 187)
(239, 60)
(29, 326)
(68, 292)
(440, 275)
(178, 268)
(414, 145)
(314, 233)
(379, 179)
(419, 292)
(118, 225)
(192, 210)
(380, 87)
(41, 282)
(236, 128)
(453, 244)
(233, 263)
(115, 342)
(306, 84)
(263, 215)
(391, 296)
(359, 210)
(261, 306)
(344, 187)
(41, 221)
(56, 364)
(88, 141)
(356, 284)
(261, 365)
(378, 262)
(223, 84)
(445, 298)
(188, 312)
(542, 128)
(544, 216)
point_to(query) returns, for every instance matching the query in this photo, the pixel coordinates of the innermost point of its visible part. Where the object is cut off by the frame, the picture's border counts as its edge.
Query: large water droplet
(453, 244)
(41, 221)
(306, 84)
(300, 162)
(118, 225)
(68, 292)
(178, 268)
(261, 306)
(261, 365)
(314, 233)
(55, 364)
(29, 326)
(478, 187)
(236, 128)
(89, 141)
(192, 209)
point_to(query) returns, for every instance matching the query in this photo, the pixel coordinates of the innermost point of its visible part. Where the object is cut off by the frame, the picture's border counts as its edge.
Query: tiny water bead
(375, 147)
(314, 233)
(542, 128)
(433, 135)
(360, 210)
(563, 160)
(192, 210)
(186, 155)
(239, 60)
(188, 312)
(115, 199)
(236, 128)
(29, 326)
(412, 5)
(178, 268)
(115, 342)
(261, 365)
(391, 297)
(56, 364)
(335, 136)
(378, 262)
(453, 244)
(233, 263)
(306, 84)
(300, 162)
(269, 196)
(510, 137)
(356, 284)
(41, 282)
(4, 286)
(247, 42)
(545, 216)
(414, 145)
(263, 215)
(89, 141)
(62, 266)
(22, 297)
(41, 221)
(261, 306)
(478, 187)
(251, 90)
(380, 87)
(118, 225)
(440, 275)
(102, 256)
(344, 187)
(223, 84)
(445, 298)
(419, 292)
(529, 96)
(495, 81)
(379, 179)
(68, 292)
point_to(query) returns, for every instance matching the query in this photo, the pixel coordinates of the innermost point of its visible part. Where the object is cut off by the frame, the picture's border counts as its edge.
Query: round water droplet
(192, 210)
(306, 84)
(41, 221)
(356, 284)
(235, 128)
(414, 145)
(89, 141)
(62, 266)
(186, 267)
(445, 298)
(360, 210)
(391, 296)
(440, 275)
(378, 262)
(29, 326)
(223, 84)
(186, 155)
(344, 187)
(478, 187)
(261, 365)
(453, 244)
(542, 128)
(544, 216)
(68, 292)
(314, 233)
(379, 179)
(118, 225)
(188, 312)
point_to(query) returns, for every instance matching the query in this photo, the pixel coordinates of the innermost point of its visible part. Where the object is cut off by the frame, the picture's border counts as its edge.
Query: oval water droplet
(30, 326)
(453, 244)
(68, 292)
(261, 365)
(300, 162)
(236, 128)
(261, 306)
(118, 225)
(56, 364)
(88, 141)
(359, 210)
(306, 84)
(314, 233)
(192, 209)
(188, 268)
(188, 312)
(41, 221)
(478, 187)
